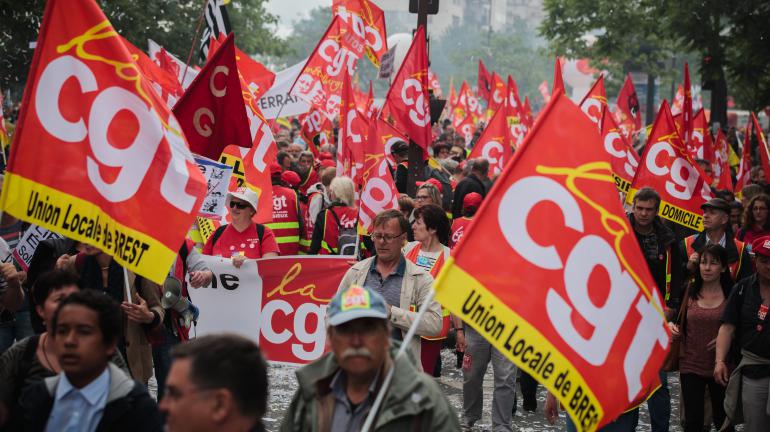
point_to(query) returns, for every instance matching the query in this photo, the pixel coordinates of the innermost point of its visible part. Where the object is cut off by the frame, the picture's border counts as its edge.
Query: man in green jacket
(337, 391)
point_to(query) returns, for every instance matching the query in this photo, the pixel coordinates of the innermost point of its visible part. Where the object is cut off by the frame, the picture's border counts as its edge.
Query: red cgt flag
(701, 145)
(163, 81)
(466, 128)
(623, 158)
(628, 116)
(496, 142)
(763, 150)
(595, 101)
(352, 132)
(96, 150)
(368, 22)
(529, 120)
(379, 191)
(316, 124)
(558, 79)
(721, 165)
(408, 98)
(212, 112)
(744, 169)
(320, 81)
(484, 82)
(581, 314)
(498, 93)
(667, 167)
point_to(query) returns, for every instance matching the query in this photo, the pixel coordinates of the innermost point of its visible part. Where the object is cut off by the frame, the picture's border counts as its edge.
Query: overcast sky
(289, 11)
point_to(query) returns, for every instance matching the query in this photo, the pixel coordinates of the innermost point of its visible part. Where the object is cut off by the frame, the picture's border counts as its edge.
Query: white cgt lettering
(493, 152)
(417, 112)
(134, 160)
(676, 185)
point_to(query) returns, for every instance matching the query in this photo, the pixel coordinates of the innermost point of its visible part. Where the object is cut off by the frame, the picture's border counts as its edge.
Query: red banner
(701, 145)
(379, 192)
(112, 149)
(212, 112)
(408, 100)
(581, 313)
(628, 116)
(368, 22)
(744, 169)
(667, 167)
(623, 158)
(352, 134)
(295, 292)
(496, 143)
(320, 82)
(595, 101)
(484, 82)
(721, 166)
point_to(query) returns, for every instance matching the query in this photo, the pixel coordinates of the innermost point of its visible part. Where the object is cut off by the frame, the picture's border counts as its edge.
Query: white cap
(243, 194)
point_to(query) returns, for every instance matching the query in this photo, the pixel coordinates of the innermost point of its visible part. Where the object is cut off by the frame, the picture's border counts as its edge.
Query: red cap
(291, 178)
(328, 163)
(472, 200)
(325, 156)
(432, 181)
(275, 169)
(761, 246)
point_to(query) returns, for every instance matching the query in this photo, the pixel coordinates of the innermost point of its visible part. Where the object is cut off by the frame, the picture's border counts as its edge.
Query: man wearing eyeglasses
(404, 286)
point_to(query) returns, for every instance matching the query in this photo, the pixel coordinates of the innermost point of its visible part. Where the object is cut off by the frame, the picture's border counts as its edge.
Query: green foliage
(171, 23)
(730, 40)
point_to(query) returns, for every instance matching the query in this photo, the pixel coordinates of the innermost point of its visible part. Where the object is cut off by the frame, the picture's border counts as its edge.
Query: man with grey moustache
(337, 391)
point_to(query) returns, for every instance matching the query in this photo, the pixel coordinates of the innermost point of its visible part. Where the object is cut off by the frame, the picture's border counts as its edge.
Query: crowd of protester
(78, 355)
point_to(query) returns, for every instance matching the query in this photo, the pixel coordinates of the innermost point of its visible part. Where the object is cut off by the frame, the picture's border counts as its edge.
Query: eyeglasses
(422, 197)
(240, 205)
(387, 238)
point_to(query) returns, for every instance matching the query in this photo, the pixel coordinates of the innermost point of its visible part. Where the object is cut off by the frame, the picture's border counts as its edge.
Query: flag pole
(195, 38)
(369, 423)
(127, 285)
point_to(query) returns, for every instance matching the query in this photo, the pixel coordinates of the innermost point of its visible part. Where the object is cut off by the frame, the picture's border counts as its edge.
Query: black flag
(217, 23)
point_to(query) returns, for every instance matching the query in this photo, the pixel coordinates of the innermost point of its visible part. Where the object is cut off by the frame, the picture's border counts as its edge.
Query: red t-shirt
(245, 243)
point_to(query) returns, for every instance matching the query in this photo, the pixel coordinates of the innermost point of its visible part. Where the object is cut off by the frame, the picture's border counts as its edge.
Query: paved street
(283, 384)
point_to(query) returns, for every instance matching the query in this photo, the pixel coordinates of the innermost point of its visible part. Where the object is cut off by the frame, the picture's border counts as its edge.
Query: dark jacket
(744, 269)
(129, 407)
(467, 185)
(414, 402)
(667, 250)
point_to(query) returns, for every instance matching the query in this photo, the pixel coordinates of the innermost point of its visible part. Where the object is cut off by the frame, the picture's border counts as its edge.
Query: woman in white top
(430, 251)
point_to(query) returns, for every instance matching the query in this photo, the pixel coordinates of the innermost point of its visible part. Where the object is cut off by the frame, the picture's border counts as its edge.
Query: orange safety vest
(734, 267)
(434, 271)
(285, 224)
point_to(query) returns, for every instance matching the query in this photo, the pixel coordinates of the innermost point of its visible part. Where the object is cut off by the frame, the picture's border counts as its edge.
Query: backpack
(218, 233)
(346, 237)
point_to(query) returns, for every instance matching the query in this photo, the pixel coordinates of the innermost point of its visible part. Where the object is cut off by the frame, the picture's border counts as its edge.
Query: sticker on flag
(581, 314)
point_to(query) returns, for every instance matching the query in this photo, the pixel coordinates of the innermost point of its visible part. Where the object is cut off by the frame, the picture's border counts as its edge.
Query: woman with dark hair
(429, 251)
(756, 223)
(697, 326)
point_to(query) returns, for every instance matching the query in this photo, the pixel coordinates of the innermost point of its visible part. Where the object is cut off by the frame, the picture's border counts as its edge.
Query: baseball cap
(472, 200)
(353, 303)
(761, 246)
(243, 194)
(717, 204)
(291, 178)
(275, 169)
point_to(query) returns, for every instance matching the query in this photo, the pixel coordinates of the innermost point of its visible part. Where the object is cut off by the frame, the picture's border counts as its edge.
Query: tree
(618, 36)
(171, 23)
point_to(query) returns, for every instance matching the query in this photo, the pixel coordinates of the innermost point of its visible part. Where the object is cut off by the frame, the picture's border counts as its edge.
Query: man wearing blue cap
(337, 391)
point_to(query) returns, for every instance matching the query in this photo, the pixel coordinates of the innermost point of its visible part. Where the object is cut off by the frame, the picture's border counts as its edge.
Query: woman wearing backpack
(337, 223)
(242, 238)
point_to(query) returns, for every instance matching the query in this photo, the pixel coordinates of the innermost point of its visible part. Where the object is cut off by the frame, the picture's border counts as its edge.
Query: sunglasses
(240, 205)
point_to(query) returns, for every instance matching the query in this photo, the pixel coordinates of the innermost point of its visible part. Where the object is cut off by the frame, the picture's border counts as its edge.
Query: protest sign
(280, 303)
(28, 244)
(113, 152)
(217, 177)
(581, 313)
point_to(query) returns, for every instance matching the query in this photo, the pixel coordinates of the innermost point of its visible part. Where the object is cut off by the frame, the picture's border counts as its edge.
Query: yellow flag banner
(575, 305)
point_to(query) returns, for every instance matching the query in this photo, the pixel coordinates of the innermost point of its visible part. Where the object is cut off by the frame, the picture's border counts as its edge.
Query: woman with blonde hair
(341, 215)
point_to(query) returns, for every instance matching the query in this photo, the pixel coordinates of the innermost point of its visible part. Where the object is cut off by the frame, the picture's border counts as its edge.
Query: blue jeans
(16, 330)
(659, 405)
(625, 423)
